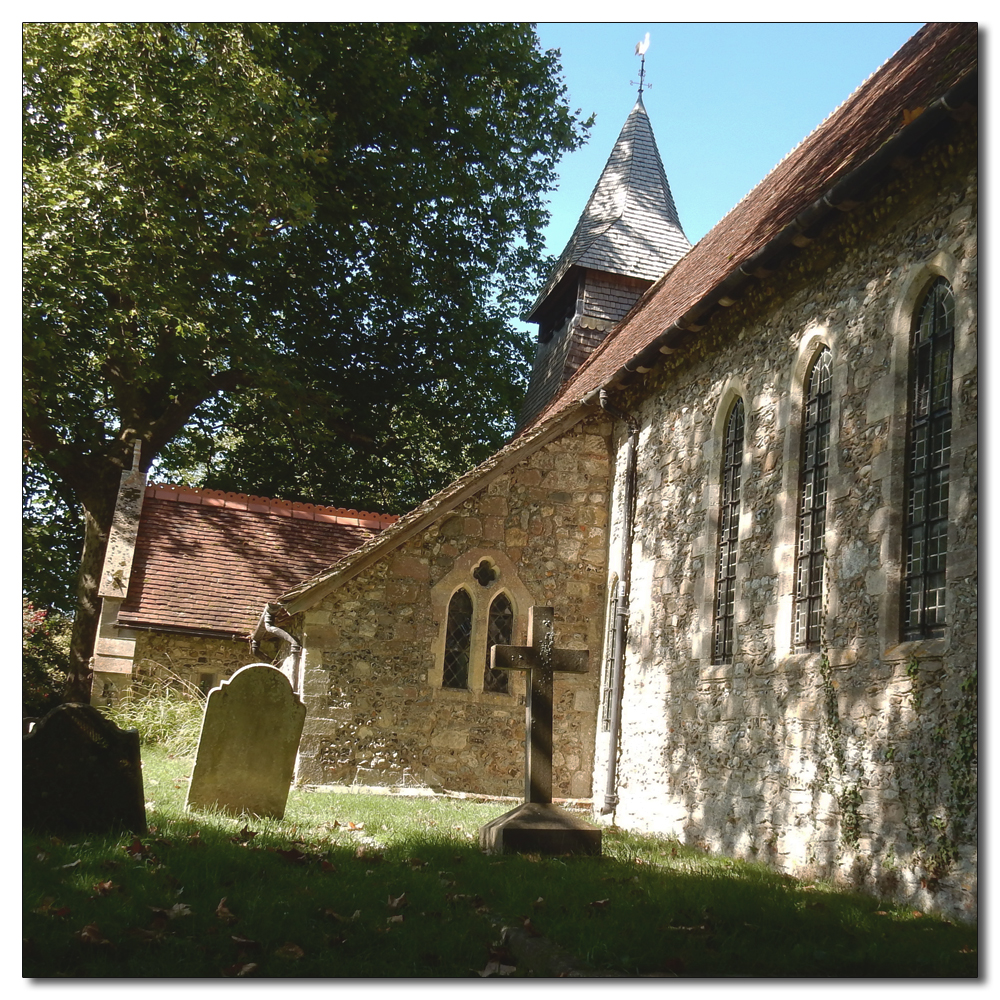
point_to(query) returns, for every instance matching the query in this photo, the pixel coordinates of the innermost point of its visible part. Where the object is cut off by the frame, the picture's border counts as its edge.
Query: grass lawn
(367, 885)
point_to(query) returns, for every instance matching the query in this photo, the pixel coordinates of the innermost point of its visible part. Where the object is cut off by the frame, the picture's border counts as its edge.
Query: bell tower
(628, 236)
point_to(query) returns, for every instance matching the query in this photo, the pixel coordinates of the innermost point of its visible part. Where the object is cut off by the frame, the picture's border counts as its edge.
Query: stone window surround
(913, 287)
(791, 420)
(707, 547)
(460, 577)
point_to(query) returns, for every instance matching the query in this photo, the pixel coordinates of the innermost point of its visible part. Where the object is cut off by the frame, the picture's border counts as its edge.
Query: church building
(745, 480)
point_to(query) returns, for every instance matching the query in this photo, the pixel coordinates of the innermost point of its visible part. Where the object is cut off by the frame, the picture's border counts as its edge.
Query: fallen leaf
(497, 969)
(294, 855)
(104, 888)
(397, 919)
(326, 866)
(239, 969)
(529, 927)
(290, 951)
(41, 856)
(599, 904)
(355, 826)
(49, 909)
(223, 913)
(245, 942)
(72, 864)
(136, 849)
(92, 935)
(155, 933)
(177, 910)
(244, 836)
(397, 903)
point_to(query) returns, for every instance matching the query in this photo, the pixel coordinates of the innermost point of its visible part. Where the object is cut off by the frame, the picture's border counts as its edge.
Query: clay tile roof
(208, 561)
(933, 61)
(630, 225)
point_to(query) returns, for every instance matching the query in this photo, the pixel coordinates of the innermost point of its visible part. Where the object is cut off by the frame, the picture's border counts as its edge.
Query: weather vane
(640, 50)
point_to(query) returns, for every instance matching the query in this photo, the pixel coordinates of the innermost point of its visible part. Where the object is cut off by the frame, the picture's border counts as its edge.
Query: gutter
(844, 195)
(621, 605)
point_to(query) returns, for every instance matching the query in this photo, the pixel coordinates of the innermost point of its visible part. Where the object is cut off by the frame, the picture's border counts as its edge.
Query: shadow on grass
(362, 886)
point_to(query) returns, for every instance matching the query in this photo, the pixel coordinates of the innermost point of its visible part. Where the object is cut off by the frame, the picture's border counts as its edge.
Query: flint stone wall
(377, 711)
(859, 765)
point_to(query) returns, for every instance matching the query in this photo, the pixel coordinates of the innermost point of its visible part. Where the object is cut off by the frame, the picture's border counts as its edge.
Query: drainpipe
(621, 610)
(268, 626)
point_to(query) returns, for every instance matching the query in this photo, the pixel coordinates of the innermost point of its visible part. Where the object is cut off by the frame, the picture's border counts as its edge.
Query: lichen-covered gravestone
(249, 738)
(81, 774)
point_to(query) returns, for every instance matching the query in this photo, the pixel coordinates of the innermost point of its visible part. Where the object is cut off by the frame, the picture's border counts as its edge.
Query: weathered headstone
(249, 738)
(538, 826)
(81, 774)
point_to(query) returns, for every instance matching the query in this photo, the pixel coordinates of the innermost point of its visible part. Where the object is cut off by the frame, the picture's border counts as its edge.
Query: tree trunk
(98, 510)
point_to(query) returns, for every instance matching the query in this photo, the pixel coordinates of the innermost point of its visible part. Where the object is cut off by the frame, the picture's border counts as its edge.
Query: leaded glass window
(499, 629)
(729, 529)
(812, 504)
(457, 640)
(929, 454)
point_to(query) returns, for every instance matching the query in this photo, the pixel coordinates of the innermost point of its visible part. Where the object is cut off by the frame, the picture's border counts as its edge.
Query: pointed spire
(630, 225)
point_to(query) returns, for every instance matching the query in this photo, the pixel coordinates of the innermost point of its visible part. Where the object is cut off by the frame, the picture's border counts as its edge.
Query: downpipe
(267, 621)
(622, 609)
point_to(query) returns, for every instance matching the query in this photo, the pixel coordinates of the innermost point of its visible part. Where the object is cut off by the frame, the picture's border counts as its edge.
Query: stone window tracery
(811, 550)
(729, 528)
(928, 460)
(478, 604)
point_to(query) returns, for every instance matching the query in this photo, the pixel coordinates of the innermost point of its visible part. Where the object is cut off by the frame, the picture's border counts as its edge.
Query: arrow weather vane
(640, 50)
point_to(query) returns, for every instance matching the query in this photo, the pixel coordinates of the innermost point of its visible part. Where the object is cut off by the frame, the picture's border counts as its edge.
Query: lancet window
(810, 558)
(729, 528)
(928, 457)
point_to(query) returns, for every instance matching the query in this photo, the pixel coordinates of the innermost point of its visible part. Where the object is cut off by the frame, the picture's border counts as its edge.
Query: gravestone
(81, 774)
(539, 826)
(246, 750)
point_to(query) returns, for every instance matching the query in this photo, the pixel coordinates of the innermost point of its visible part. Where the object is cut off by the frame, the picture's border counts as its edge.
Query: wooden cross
(540, 659)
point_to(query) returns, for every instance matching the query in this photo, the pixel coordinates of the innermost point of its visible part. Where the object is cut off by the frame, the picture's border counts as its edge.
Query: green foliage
(367, 885)
(284, 257)
(44, 658)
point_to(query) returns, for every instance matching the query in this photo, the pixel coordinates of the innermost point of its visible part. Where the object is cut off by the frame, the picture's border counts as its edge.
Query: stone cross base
(539, 828)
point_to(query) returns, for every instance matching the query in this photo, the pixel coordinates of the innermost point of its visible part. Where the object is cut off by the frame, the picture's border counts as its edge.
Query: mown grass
(366, 885)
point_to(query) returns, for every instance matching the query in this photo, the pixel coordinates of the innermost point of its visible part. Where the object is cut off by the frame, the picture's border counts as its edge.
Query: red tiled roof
(209, 561)
(933, 61)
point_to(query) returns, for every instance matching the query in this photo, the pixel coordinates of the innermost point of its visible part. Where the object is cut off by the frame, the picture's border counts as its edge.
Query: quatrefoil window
(484, 574)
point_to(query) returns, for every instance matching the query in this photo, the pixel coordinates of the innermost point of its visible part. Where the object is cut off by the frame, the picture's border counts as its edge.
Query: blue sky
(726, 101)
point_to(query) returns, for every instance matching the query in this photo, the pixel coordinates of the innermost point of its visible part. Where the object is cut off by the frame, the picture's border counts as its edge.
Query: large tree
(283, 256)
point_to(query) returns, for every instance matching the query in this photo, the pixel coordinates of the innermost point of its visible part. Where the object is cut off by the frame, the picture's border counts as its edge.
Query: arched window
(499, 629)
(457, 641)
(812, 503)
(729, 529)
(928, 456)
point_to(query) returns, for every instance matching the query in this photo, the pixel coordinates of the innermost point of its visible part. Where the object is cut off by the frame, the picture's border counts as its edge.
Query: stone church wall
(377, 709)
(856, 761)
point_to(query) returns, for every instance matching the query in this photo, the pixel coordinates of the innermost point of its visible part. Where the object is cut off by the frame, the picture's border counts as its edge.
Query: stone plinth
(539, 828)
